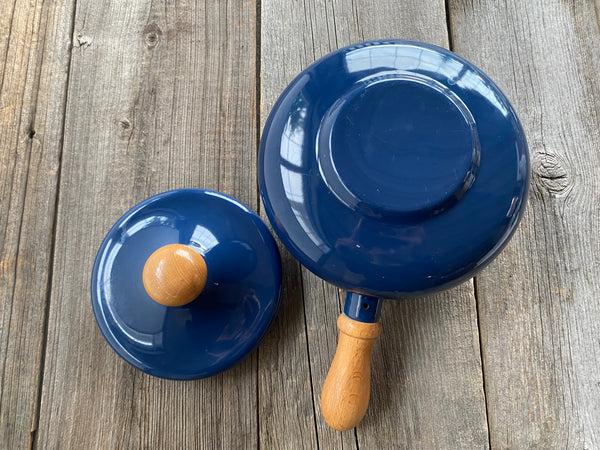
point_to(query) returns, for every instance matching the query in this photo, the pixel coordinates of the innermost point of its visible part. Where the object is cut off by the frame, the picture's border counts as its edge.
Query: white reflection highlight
(512, 207)
(145, 223)
(291, 151)
(203, 239)
(143, 339)
(291, 141)
(108, 263)
(293, 185)
(390, 56)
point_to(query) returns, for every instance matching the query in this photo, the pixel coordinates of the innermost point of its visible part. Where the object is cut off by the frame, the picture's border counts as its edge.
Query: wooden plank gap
(257, 55)
(449, 28)
(36, 415)
(485, 399)
(310, 376)
(257, 387)
(257, 45)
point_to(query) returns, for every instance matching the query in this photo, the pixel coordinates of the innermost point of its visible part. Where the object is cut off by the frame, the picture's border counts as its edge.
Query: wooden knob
(174, 275)
(347, 388)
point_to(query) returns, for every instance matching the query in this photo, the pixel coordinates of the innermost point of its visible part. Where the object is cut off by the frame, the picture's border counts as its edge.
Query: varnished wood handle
(347, 387)
(174, 275)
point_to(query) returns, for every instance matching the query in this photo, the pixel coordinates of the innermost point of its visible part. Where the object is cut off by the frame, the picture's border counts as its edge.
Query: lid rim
(313, 239)
(237, 350)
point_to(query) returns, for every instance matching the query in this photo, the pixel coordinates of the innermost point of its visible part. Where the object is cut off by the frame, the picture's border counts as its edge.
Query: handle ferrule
(362, 308)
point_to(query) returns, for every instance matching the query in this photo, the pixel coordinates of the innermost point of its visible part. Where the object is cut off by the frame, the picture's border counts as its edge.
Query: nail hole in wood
(152, 34)
(151, 39)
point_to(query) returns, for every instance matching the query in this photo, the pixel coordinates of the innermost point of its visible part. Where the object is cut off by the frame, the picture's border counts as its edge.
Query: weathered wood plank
(34, 52)
(286, 415)
(427, 382)
(161, 95)
(539, 309)
(284, 366)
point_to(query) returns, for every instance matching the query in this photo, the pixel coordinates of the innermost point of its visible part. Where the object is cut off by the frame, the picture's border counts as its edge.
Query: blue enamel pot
(391, 169)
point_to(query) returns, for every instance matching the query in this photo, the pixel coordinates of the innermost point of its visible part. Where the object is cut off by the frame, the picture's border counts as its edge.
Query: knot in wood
(125, 128)
(551, 173)
(152, 34)
(83, 41)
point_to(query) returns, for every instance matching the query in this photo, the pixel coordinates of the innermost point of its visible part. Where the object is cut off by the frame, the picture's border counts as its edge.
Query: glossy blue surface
(363, 308)
(229, 318)
(393, 168)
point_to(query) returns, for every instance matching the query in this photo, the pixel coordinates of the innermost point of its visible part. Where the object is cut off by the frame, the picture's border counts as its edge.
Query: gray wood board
(34, 47)
(427, 380)
(161, 95)
(539, 308)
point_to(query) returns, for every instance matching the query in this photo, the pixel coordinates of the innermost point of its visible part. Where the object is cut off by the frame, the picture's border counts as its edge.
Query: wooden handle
(174, 275)
(347, 387)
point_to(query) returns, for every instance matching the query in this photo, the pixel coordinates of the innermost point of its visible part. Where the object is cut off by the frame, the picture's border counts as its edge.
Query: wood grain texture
(427, 388)
(34, 55)
(539, 309)
(174, 275)
(347, 387)
(427, 385)
(286, 416)
(161, 95)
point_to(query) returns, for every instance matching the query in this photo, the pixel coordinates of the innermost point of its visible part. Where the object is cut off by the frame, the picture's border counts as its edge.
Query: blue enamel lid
(225, 322)
(393, 168)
